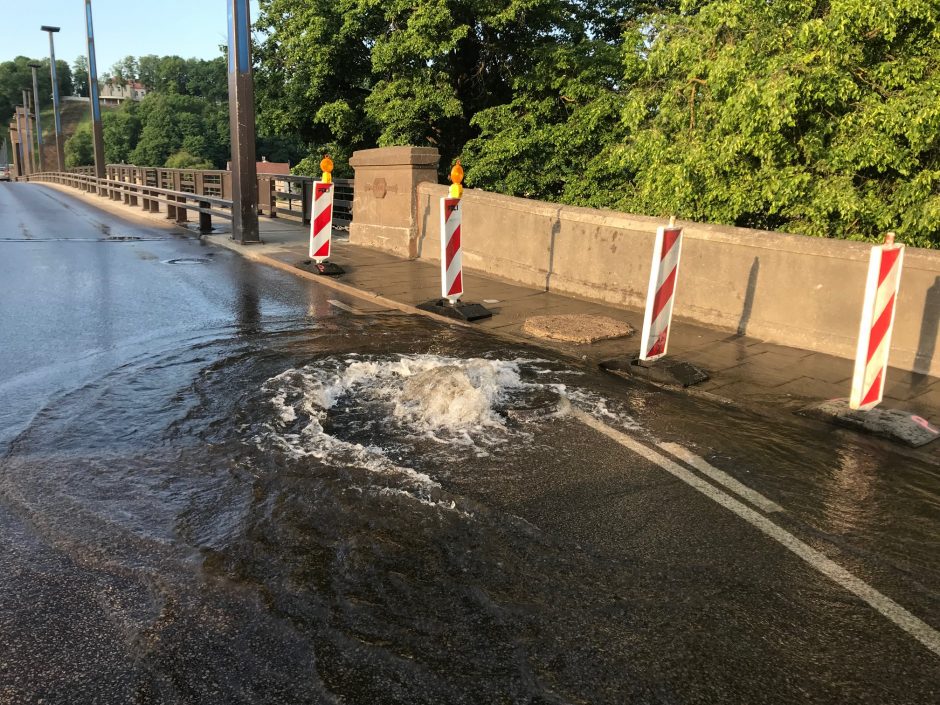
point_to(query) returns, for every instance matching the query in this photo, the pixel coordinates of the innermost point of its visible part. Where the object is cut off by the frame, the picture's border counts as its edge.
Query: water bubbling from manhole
(400, 401)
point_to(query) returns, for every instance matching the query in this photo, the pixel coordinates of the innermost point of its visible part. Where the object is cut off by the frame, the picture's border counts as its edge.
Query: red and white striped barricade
(451, 259)
(874, 337)
(321, 221)
(321, 229)
(662, 291)
(452, 269)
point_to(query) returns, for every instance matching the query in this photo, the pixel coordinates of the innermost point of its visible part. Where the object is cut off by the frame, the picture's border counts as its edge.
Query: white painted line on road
(722, 478)
(917, 628)
(344, 307)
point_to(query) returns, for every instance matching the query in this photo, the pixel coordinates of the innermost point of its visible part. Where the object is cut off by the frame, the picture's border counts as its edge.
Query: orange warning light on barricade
(456, 177)
(326, 164)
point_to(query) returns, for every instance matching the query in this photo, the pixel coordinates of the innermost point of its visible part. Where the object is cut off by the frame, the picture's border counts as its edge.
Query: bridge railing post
(205, 218)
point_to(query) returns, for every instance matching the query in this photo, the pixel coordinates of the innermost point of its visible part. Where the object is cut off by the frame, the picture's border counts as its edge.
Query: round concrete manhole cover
(576, 328)
(187, 260)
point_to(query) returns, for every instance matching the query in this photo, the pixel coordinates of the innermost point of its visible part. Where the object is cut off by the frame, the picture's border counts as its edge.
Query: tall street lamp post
(93, 93)
(241, 100)
(59, 141)
(26, 136)
(20, 156)
(35, 68)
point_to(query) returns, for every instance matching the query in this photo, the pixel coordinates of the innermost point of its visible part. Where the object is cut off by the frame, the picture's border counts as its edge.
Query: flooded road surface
(217, 486)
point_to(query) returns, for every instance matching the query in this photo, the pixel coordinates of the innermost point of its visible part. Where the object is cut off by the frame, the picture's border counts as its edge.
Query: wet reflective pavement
(218, 487)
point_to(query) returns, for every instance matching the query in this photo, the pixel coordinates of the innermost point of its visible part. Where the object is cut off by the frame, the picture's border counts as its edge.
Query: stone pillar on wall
(385, 201)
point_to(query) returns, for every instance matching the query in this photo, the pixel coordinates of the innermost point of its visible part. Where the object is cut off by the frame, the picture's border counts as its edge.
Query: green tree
(173, 75)
(814, 117)
(562, 111)
(411, 73)
(16, 76)
(208, 79)
(148, 68)
(121, 132)
(80, 148)
(80, 76)
(63, 75)
(819, 118)
(170, 122)
(299, 89)
(125, 71)
(185, 160)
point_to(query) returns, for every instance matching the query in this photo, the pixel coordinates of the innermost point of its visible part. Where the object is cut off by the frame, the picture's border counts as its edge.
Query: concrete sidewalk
(743, 369)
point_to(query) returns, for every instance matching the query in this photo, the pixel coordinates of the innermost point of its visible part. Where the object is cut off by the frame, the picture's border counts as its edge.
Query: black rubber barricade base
(894, 424)
(459, 310)
(674, 373)
(327, 269)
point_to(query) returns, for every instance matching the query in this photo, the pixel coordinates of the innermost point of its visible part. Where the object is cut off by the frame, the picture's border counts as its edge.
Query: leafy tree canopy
(79, 148)
(202, 78)
(185, 160)
(344, 74)
(80, 76)
(16, 76)
(170, 123)
(815, 117)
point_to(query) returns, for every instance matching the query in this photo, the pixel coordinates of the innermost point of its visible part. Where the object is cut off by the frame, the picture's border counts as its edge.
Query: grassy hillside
(73, 115)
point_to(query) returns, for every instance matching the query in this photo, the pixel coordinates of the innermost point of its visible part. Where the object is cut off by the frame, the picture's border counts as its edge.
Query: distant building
(266, 167)
(113, 94)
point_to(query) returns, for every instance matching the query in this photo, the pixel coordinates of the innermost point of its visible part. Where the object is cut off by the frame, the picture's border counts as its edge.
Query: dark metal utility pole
(26, 138)
(28, 102)
(93, 93)
(35, 68)
(241, 101)
(59, 140)
(18, 161)
(15, 144)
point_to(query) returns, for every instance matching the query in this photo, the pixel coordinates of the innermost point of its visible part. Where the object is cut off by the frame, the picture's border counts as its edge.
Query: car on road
(4, 172)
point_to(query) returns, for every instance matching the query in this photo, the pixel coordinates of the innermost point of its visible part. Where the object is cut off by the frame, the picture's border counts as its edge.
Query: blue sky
(188, 28)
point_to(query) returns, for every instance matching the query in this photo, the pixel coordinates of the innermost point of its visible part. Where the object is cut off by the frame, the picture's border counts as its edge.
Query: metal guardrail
(300, 189)
(203, 191)
(176, 204)
(279, 195)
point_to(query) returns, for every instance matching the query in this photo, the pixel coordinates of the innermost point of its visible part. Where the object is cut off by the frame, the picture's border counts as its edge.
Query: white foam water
(459, 404)
(424, 393)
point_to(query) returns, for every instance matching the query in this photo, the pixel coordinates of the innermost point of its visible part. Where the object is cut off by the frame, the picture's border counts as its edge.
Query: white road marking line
(344, 307)
(917, 628)
(721, 477)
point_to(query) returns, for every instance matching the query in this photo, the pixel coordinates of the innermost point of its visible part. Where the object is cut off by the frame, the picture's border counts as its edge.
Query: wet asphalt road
(187, 516)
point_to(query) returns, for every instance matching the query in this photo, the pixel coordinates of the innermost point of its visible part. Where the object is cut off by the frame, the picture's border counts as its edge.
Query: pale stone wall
(384, 205)
(787, 289)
